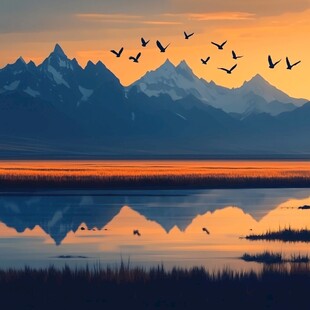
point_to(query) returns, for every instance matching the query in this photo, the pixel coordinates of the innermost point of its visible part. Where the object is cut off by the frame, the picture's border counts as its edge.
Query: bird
(187, 36)
(135, 59)
(289, 66)
(119, 53)
(136, 232)
(206, 230)
(204, 61)
(162, 49)
(271, 64)
(234, 56)
(144, 43)
(230, 70)
(219, 46)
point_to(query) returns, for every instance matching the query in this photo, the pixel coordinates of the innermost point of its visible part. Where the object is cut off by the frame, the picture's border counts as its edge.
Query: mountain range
(60, 109)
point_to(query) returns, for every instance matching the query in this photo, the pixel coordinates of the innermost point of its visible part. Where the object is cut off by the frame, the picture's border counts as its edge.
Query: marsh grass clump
(265, 257)
(275, 258)
(286, 235)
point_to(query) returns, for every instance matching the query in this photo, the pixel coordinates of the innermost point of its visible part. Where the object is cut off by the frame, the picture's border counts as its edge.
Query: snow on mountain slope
(259, 86)
(256, 95)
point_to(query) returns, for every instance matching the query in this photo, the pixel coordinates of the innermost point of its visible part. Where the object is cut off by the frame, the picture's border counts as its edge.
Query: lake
(82, 226)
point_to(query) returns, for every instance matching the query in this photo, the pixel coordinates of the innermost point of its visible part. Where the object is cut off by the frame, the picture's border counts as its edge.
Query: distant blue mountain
(59, 108)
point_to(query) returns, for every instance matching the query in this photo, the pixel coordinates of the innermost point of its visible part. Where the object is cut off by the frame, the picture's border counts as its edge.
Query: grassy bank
(275, 287)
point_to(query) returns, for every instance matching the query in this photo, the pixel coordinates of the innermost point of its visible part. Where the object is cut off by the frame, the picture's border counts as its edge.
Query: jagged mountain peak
(184, 69)
(257, 79)
(90, 64)
(183, 65)
(21, 60)
(259, 86)
(167, 66)
(59, 51)
(18, 66)
(168, 63)
(100, 64)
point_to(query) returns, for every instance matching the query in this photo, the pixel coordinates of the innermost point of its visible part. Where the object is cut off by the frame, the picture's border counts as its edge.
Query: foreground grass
(275, 287)
(286, 235)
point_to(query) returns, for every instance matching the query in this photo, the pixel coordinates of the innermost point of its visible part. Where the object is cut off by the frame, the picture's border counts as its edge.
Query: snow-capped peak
(184, 69)
(177, 82)
(167, 66)
(259, 86)
(184, 66)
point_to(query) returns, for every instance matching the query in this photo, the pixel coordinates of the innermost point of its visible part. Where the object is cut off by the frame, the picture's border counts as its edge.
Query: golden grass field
(154, 172)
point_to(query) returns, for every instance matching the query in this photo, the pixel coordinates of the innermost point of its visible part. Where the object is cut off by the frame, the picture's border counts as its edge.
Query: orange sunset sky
(88, 30)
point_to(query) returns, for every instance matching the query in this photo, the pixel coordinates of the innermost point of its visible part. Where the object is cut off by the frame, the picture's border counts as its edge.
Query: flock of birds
(163, 49)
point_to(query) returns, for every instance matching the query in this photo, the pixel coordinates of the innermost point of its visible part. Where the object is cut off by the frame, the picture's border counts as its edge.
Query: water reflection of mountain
(59, 213)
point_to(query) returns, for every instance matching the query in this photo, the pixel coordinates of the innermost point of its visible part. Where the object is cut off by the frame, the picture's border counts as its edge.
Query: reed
(285, 235)
(275, 258)
(147, 181)
(275, 287)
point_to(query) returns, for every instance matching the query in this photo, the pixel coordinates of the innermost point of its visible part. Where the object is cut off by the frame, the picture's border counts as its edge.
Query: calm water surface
(79, 227)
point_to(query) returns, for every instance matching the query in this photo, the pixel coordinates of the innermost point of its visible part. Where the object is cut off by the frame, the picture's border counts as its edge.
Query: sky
(88, 30)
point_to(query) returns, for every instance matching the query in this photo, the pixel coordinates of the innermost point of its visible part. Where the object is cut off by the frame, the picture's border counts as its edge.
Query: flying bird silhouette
(289, 66)
(135, 59)
(205, 61)
(144, 43)
(136, 232)
(206, 230)
(219, 46)
(119, 53)
(187, 36)
(162, 49)
(271, 64)
(234, 55)
(230, 70)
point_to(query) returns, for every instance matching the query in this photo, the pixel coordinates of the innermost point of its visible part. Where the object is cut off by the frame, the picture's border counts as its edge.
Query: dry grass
(153, 174)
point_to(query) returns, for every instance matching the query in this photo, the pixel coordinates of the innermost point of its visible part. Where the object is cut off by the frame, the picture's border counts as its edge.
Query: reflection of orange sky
(9, 232)
(226, 226)
(250, 35)
(102, 169)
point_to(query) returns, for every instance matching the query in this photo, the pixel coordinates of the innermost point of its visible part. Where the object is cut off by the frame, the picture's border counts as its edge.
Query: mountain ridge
(88, 111)
(179, 81)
